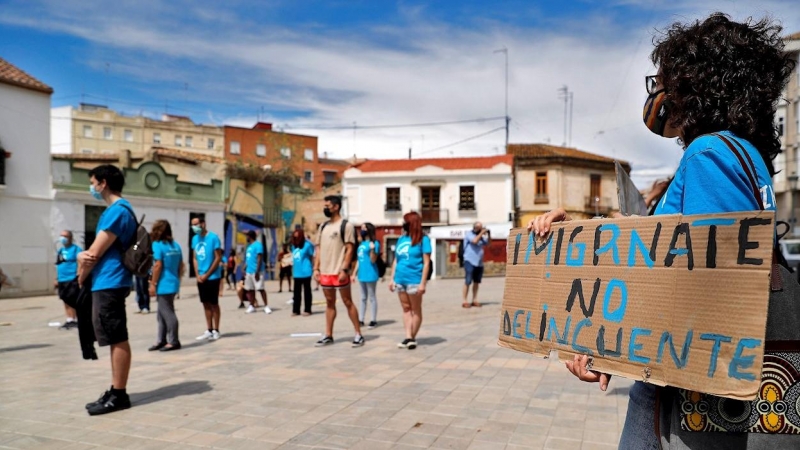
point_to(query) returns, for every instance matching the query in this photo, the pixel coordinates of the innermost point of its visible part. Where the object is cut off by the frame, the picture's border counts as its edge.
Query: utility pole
(504, 51)
(565, 94)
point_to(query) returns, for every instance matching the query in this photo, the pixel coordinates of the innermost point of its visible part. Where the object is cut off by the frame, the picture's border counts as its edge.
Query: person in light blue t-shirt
(716, 89)
(167, 272)
(111, 282)
(207, 261)
(474, 242)
(366, 272)
(254, 276)
(410, 267)
(302, 270)
(67, 277)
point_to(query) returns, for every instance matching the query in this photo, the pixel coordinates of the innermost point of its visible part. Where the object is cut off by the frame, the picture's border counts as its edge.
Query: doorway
(91, 215)
(430, 204)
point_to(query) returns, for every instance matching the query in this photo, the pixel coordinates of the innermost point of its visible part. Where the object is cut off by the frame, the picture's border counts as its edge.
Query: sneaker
(250, 309)
(267, 310)
(404, 344)
(372, 325)
(100, 400)
(327, 340)
(360, 323)
(206, 335)
(114, 402)
(358, 341)
(289, 302)
(412, 344)
(214, 335)
(241, 305)
(145, 311)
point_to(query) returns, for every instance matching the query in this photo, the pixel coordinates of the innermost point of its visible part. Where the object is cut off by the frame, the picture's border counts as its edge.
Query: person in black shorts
(207, 250)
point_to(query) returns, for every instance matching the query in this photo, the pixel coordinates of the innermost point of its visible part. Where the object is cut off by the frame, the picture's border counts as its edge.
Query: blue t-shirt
(251, 258)
(303, 260)
(109, 272)
(473, 253)
(170, 255)
(409, 260)
(68, 269)
(367, 270)
(204, 248)
(710, 179)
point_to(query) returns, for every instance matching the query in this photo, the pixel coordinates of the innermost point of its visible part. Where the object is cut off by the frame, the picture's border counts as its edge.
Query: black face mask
(364, 234)
(406, 226)
(327, 212)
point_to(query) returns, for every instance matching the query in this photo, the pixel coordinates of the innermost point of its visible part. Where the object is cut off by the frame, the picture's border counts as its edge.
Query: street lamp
(792, 187)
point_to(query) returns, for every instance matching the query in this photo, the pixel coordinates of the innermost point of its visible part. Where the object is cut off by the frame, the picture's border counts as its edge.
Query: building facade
(447, 192)
(96, 129)
(549, 176)
(787, 163)
(27, 242)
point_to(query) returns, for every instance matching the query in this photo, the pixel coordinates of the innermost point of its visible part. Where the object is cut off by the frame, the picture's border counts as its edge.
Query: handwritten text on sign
(673, 300)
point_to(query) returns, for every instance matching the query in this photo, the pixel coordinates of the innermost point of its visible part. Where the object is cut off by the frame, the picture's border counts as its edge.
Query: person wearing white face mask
(207, 258)
(67, 277)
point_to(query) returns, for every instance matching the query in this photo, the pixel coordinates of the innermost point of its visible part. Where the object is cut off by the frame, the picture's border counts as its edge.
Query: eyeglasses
(651, 83)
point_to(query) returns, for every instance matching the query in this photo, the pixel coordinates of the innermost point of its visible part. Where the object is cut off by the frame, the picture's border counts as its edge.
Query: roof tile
(554, 151)
(400, 165)
(11, 74)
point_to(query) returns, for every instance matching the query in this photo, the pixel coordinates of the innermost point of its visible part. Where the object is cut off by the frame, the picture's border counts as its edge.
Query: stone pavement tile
(385, 435)
(308, 438)
(250, 432)
(555, 443)
(417, 439)
(339, 442)
(485, 445)
(203, 438)
(610, 437)
(450, 442)
(368, 444)
(561, 431)
(277, 436)
(36, 443)
(595, 446)
(530, 440)
(79, 446)
(498, 437)
(102, 439)
(176, 435)
(137, 443)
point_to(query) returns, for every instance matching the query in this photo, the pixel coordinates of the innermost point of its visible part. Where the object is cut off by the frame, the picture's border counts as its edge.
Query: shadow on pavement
(382, 323)
(431, 340)
(169, 392)
(234, 334)
(24, 347)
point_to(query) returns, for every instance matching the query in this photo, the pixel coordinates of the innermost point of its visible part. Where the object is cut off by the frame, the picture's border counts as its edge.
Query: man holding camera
(474, 241)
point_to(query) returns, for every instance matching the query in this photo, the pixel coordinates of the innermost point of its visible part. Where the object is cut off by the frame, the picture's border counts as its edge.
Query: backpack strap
(343, 230)
(138, 224)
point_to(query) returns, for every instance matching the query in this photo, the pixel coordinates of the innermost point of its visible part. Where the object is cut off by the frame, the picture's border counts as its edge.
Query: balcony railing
(393, 207)
(435, 216)
(597, 205)
(541, 199)
(467, 206)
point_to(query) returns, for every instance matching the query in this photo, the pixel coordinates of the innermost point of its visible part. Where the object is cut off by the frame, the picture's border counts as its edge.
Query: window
(178, 141)
(87, 131)
(128, 135)
(235, 148)
(329, 178)
(308, 176)
(156, 138)
(393, 199)
(261, 150)
(211, 143)
(87, 151)
(308, 155)
(188, 141)
(107, 133)
(286, 152)
(466, 198)
(541, 188)
(594, 186)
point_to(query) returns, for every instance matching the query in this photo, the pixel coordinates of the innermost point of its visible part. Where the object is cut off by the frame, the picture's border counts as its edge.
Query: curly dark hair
(724, 75)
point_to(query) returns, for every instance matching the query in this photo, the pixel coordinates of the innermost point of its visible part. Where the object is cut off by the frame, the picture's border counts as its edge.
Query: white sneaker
(250, 310)
(289, 302)
(214, 335)
(206, 335)
(267, 310)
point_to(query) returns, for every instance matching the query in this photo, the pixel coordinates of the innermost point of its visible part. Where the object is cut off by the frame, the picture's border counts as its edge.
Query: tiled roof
(108, 157)
(793, 37)
(335, 162)
(554, 151)
(399, 165)
(10, 74)
(188, 156)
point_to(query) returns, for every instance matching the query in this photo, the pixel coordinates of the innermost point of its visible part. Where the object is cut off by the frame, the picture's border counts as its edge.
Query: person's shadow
(172, 391)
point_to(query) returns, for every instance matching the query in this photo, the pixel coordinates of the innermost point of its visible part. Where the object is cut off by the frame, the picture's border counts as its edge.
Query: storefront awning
(456, 232)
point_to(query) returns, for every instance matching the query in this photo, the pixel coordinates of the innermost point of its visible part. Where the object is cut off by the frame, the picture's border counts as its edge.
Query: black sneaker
(404, 344)
(361, 323)
(241, 305)
(114, 402)
(327, 340)
(358, 341)
(412, 344)
(100, 400)
(372, 325)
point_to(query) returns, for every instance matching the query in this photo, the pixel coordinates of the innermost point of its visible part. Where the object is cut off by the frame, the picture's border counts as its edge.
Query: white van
(791, 251)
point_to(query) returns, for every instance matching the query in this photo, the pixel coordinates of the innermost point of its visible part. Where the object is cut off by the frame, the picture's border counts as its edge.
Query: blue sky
(327, 64)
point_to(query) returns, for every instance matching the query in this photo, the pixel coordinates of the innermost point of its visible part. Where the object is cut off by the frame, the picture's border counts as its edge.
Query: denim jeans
(368, 292)
(142, 285)
(639, 431)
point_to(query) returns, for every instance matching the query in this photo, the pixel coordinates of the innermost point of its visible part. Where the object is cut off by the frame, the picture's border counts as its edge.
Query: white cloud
(434, 72)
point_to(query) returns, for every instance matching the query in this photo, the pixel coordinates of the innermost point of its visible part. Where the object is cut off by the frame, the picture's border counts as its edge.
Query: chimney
(262, 126)
(325, 155)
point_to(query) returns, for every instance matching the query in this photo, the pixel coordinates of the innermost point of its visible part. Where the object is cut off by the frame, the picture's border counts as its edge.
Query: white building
(787, 119)
(447, 192)
(27, 251)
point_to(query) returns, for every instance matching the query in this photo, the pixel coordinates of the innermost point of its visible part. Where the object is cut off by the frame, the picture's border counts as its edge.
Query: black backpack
(138, 255)
(381, 266)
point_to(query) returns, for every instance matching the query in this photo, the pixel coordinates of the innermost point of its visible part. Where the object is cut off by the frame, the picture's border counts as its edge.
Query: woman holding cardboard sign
(716, 90)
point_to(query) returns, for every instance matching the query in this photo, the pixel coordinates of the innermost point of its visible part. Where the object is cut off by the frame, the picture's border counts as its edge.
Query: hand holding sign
(541, 224)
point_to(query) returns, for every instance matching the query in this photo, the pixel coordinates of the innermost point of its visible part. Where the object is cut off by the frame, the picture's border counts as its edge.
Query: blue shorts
(410, 289)
(473, 273)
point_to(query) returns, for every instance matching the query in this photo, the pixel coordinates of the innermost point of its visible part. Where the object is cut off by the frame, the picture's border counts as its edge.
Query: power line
(405, 125)
(463, 140)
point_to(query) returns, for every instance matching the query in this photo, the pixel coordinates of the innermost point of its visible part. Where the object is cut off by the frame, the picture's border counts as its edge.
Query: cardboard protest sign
(671, 300)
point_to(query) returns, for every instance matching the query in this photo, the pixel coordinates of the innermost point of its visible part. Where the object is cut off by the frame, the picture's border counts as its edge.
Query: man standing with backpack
(111, 281)
(336, 242)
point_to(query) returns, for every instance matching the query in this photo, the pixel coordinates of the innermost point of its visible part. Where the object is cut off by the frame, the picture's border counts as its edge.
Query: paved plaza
(259, 388)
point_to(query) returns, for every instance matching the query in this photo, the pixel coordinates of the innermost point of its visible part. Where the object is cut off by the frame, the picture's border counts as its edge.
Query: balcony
(541, 199)
(435, 217)
(597, 205)
(468, 207)
(393, 207)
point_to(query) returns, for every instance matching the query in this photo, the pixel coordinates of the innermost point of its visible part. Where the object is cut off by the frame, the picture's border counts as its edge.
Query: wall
(788, 162)
(26, 242)
(366, 194)
(169, 127)
(99, 119)
(61, 130)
